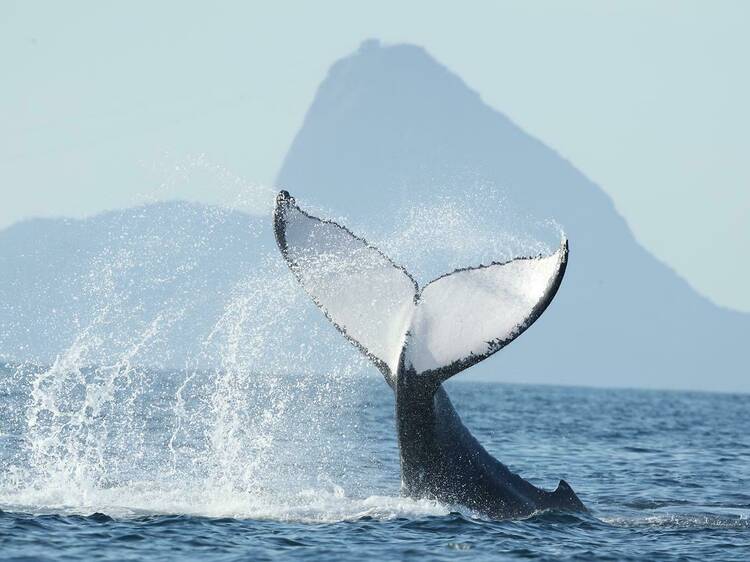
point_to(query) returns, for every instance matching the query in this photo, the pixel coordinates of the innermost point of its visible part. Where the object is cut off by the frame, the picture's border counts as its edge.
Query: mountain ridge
(390, 131)
(425, 134)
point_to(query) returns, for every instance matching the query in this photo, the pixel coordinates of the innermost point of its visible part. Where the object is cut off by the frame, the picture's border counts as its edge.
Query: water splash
(262, 418)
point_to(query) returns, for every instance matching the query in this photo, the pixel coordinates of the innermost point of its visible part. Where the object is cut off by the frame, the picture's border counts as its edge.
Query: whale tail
(435, 331)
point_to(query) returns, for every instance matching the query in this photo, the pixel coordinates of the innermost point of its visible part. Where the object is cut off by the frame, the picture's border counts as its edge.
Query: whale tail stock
(433, 332)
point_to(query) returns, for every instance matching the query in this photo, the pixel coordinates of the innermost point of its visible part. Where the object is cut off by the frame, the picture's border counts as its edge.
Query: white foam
(144, 498)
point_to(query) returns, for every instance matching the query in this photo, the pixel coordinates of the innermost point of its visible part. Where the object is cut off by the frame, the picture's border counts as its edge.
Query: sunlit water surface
(122, 464)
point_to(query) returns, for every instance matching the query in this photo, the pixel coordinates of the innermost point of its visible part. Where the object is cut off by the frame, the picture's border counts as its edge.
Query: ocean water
(275, 439)
(119, 463)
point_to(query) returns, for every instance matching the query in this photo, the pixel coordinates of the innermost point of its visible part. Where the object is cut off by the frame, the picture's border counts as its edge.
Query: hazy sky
(100, 101)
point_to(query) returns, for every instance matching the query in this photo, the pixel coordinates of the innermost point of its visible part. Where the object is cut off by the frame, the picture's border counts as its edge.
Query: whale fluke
(368, 298)
(437, 331)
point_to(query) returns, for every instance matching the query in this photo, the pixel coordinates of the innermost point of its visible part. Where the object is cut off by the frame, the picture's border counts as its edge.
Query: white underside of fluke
(453, 322)
(468, 312)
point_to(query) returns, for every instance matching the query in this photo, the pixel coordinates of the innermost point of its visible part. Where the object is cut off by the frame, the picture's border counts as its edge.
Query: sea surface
(117, 463)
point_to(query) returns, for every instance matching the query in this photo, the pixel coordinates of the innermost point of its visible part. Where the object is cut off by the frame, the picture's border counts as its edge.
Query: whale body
(420, 337)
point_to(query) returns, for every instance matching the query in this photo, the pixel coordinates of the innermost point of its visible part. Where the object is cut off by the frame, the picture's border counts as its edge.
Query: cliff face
(390, 127)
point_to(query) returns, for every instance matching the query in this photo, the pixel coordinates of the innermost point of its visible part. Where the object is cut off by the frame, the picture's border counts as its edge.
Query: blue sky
(101, 101)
